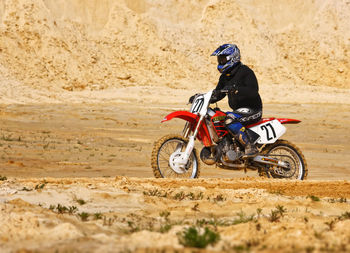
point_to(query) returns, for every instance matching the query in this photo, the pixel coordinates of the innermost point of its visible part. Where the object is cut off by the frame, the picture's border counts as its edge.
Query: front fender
(185, 115)
(203, 133)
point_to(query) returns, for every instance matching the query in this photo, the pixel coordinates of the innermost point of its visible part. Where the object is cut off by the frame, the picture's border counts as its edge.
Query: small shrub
(213, 222)
(26, 189)
(83, 216)
(164, 214)
(193, 237)
(281, 210)
(344, 216)
(342, 200)
(97, 216)
(165, 228)
(180, 196)
(155, 193)
(314, 198)
(195, 207)
(81, 202)
(61, 209)
(330, 225)
(40, 186)
(132, 227)
(219, 197)
(3, 178)
(274, 216)
(243, 218)
(72, 209)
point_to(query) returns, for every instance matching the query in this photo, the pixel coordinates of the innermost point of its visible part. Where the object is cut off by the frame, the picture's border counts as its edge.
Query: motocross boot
(250, 149)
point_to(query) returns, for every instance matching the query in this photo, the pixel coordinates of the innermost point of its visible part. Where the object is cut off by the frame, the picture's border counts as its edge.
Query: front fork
(183, 159)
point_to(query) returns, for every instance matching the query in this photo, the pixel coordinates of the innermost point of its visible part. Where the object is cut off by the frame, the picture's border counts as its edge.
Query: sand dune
(77, 44)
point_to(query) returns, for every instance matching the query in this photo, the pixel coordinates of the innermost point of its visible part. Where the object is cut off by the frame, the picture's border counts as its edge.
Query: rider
(243, 95)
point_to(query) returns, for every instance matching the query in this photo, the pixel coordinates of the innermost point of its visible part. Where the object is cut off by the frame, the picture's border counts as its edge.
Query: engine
(226, 151)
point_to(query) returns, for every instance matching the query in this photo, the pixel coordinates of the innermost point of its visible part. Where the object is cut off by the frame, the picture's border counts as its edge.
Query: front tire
(290, 154)
(161, 154)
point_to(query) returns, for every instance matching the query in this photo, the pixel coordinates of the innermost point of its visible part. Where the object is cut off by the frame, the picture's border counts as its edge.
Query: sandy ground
(150, 215)
(109, 139)
(73, 183)
(84, 85)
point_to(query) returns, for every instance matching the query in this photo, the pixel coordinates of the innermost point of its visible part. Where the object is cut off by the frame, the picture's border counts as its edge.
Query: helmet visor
(222, 59)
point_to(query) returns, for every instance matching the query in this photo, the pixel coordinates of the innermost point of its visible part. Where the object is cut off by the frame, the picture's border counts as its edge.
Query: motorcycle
(175, 156)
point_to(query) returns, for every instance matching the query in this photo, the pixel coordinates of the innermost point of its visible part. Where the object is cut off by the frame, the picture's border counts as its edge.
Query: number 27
(265, 127)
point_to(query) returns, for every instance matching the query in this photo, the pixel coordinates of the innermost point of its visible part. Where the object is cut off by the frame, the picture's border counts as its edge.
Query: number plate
(269, 131)
(197, 104)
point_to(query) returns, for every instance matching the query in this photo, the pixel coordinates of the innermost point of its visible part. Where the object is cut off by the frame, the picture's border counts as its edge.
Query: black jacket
(242, 79)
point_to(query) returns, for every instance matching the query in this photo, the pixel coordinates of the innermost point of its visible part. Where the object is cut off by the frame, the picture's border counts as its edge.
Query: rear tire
(290, 154)
(162, 150)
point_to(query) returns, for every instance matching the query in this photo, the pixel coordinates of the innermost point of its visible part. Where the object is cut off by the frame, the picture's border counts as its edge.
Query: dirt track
(88, 140)
(66, 191)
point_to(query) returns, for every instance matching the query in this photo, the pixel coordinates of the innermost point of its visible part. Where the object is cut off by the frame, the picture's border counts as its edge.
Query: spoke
(167, 149)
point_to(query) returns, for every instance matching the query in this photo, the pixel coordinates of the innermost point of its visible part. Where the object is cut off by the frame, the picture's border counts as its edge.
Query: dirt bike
(174, 156)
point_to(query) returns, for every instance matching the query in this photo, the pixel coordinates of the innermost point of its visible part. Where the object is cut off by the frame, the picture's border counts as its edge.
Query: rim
(292, 158)
(164, 153)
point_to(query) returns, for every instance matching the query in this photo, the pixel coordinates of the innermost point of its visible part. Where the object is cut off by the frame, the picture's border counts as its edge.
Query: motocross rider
(243, 95)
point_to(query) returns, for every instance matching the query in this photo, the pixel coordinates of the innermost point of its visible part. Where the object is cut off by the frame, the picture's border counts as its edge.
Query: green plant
(180, 196)
(195, 207)
(342, 200)
(242, 218)
(164, 214)
(155, 193)
(281, 210)
(259, 212)
(344, 216)
(81, 201)
(165, 228)
(214, 222)
(219, 197)
(194, 237)
(83, 216)
(132, 227)
(72, 209)
(61, 209)
(330, 224)
(314, 198)
(97, 216)
(3, 178)
(40, 186)
(274, 216)
(26, 189)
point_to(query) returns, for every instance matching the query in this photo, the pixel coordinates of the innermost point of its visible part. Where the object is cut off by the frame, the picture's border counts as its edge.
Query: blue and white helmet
(228, 56)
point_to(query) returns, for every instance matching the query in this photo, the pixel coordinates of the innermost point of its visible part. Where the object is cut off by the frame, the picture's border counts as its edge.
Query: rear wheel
(164, 153)
(291, 156)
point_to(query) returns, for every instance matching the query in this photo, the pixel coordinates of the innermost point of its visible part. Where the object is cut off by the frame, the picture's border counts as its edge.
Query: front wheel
(163, 153)
(290, 155)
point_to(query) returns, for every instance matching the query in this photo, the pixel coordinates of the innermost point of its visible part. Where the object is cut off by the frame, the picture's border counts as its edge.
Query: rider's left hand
(233, 90)
(190, 100)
